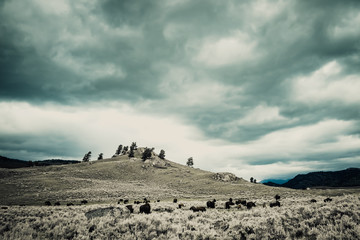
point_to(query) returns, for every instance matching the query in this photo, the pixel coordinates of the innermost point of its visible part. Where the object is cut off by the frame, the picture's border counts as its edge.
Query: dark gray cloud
(239, 72)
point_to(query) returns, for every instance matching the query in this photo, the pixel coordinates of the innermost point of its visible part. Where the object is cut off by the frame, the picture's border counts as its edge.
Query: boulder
(225, 177)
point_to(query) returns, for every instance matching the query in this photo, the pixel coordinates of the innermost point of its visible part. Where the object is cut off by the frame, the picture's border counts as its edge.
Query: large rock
(100, 212)
(225, 177)
(159, 163)
(155, 162)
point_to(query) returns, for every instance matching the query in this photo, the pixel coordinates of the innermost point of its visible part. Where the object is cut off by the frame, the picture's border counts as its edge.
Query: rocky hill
(122, 177)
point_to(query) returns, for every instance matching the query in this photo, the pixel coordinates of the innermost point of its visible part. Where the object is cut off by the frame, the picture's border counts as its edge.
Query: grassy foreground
(297, 218)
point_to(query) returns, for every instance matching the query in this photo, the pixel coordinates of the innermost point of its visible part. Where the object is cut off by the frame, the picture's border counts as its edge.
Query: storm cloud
(260, 88)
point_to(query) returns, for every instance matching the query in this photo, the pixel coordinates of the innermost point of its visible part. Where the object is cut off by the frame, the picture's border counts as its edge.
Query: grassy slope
(110, 179)
(297, 218)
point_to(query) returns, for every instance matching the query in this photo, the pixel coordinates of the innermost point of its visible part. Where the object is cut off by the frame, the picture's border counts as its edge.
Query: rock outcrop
(225, 177)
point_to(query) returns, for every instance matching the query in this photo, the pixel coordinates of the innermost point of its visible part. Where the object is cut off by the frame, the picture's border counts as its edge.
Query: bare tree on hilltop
(87, 157)
(147, 153)
(190, 162)
(100, 156)
(162, 154)
(118, 150)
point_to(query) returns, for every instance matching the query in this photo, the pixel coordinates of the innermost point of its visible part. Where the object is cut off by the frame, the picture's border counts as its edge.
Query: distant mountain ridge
(16, 163)
(13, 163)
(345, 178)
(276, 181)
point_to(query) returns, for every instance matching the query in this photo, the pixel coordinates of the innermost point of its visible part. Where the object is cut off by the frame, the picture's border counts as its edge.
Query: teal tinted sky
(257, 88)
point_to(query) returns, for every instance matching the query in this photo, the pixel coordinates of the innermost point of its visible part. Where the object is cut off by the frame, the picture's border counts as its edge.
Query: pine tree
(131, 153)
(147, 153)
(251, 179)
(100, 156)
(190, 162)
(87, 157)
(118, 150)
(125, 150)
(162, 154)
(133, 144)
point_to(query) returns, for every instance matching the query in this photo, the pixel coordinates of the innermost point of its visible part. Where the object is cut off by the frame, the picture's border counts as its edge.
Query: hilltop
(122, 177)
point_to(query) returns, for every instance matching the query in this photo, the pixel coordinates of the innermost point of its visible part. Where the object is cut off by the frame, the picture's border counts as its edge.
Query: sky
(263, 89)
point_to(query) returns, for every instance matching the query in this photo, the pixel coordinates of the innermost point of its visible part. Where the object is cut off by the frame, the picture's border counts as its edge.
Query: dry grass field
(23, 214)
(297, 218)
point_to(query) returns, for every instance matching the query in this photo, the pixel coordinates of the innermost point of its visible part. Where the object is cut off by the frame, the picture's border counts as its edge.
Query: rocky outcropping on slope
(225, 177)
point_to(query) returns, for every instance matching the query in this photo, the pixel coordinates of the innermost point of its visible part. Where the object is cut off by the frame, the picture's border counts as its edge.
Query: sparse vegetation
(297, 218)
